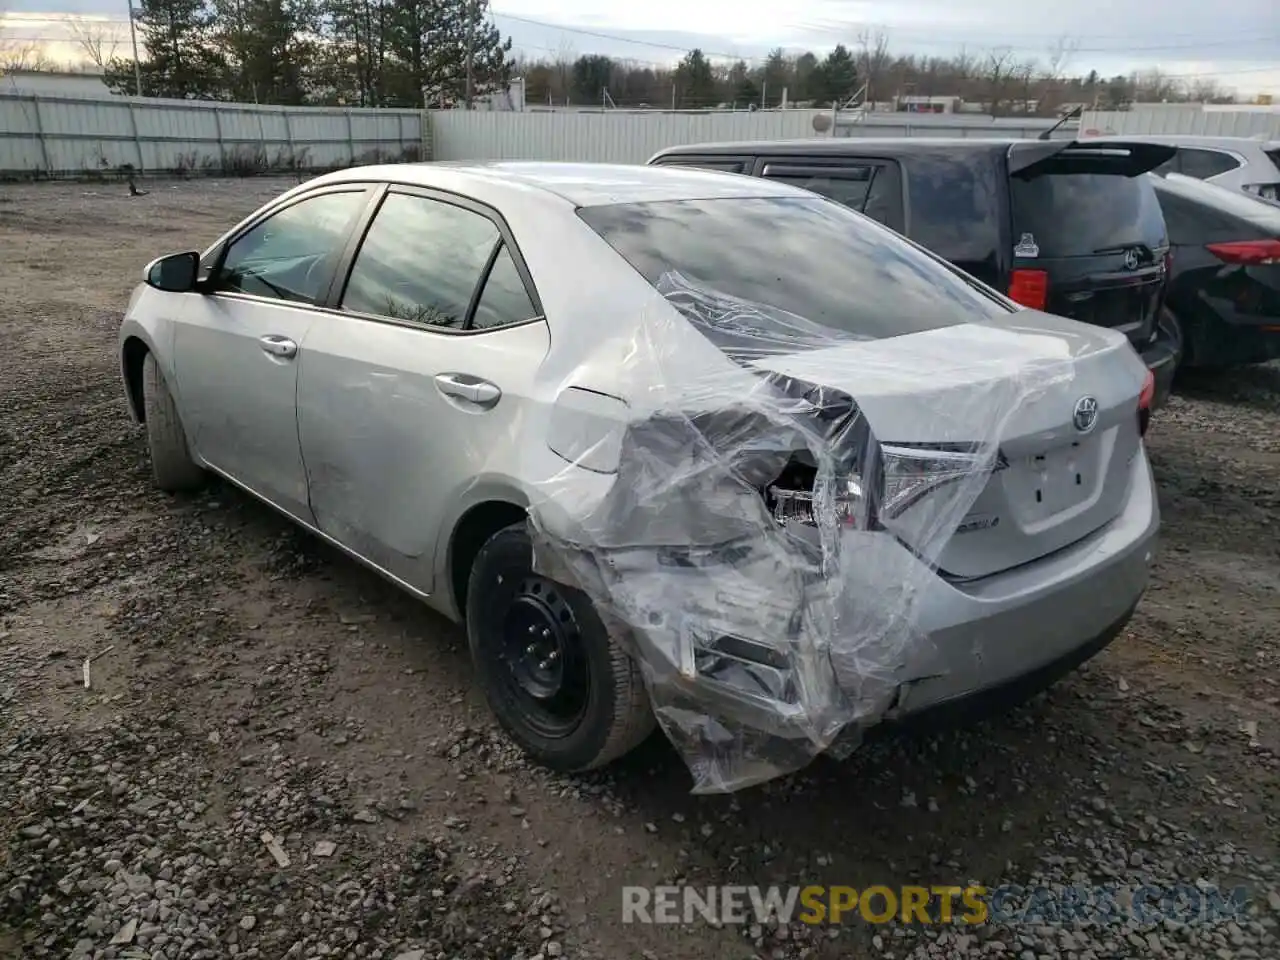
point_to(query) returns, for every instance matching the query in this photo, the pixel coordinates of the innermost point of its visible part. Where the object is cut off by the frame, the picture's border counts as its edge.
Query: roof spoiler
(1119, 157)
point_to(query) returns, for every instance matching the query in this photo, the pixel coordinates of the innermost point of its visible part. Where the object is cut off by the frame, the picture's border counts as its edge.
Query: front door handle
(463, 387)
(278, 346)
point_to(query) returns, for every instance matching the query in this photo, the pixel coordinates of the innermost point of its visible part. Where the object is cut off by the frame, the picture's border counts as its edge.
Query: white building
(50, 83)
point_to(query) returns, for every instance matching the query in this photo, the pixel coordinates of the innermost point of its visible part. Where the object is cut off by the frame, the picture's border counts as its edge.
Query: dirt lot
(257, 682)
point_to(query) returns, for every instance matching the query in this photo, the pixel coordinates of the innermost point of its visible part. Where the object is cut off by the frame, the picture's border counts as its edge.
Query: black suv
(1063, 226)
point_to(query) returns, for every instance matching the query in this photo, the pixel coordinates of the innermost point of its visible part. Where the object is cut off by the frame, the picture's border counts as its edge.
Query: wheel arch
(133, 353)
(474, 527)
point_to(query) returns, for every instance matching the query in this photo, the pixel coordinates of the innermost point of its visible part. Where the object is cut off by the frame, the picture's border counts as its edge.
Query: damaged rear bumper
(982, 641)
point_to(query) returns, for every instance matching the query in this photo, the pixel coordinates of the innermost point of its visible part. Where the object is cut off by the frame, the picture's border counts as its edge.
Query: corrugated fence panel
(75, 135)
(601, 137)
(1190, 119)
(633, 137)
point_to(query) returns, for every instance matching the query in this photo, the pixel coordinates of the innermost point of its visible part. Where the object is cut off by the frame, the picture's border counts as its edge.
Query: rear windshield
(1081, 214)
(797, 258)
(1225, 200)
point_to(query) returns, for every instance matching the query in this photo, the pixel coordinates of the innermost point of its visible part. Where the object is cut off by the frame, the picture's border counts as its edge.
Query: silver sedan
(667, 442)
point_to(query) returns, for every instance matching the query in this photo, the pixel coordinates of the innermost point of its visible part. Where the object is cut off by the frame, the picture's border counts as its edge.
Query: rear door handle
(278, 346)
(463, 387)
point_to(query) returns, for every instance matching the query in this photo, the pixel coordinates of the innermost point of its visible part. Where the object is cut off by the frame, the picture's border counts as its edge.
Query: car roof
(578, 184)
(855, 145)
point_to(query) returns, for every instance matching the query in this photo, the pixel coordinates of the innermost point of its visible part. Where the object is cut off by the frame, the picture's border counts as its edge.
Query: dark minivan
(1062, 226)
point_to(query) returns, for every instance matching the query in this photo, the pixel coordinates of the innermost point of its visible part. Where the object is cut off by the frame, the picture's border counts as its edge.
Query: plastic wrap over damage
(758, 529)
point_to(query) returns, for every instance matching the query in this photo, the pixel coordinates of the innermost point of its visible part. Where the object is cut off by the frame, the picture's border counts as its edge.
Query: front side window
(421, 262)
(799, 264)
(289, 255)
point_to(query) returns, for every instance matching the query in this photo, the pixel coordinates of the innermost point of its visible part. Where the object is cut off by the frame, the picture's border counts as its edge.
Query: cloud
(1236, 43)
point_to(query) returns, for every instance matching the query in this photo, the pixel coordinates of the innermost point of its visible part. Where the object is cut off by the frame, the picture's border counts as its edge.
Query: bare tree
(1153, 86)
(1208, 90)
(95, 38)
(998, 73)
(24, 55)
(1024, 72)
(1059, 55)
(563, 82)
(873, 59)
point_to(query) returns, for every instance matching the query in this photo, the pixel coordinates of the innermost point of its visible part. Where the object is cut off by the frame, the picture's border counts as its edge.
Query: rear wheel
(557, 683)
(171, 463)
(1171, 331)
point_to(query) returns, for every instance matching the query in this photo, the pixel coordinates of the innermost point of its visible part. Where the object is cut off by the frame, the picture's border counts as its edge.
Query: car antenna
(1069, 115)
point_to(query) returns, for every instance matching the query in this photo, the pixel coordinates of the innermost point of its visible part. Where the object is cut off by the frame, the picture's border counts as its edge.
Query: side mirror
(175, 273)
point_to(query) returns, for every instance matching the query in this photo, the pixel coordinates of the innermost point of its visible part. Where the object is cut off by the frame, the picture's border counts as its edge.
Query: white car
(1239, 163)
(662, 436)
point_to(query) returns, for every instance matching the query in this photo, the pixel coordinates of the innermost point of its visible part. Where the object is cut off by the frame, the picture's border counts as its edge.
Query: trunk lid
(1088, 222)
(1017, 382)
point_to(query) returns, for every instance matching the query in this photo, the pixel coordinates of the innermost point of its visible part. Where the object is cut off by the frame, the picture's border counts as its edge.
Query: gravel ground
(280, 756)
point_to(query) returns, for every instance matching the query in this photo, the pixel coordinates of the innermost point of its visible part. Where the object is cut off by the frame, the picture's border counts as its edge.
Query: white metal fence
(76, 135)
(618, 136)
(62, 135)
(1186, 119)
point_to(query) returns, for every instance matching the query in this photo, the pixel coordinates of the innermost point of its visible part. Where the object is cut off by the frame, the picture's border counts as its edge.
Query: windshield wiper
(1122, 247)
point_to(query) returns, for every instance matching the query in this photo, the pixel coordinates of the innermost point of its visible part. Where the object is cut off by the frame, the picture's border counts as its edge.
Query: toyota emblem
(1085, 416)
(1131, 259)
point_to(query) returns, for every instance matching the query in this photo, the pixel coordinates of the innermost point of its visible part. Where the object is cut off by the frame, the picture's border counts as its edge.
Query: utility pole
(133, 35)
(471, 49)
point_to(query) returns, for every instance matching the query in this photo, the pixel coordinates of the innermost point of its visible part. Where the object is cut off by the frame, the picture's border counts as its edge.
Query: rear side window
(871, 188)
(800, 261)
(955, 205)
(504, 299)
(421, 262)
(1084, 214)
(1203, 164)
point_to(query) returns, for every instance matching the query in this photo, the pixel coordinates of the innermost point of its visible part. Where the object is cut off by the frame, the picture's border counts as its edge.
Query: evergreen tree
(695, 81)
(183, 60)
(269, 47)
(591, 76)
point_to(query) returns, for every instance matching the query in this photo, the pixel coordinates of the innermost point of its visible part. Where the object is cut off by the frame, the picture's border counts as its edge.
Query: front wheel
(557, 683)
(171, 464)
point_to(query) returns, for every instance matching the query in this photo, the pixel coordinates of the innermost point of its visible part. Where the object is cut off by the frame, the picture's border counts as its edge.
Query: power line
(921, 36)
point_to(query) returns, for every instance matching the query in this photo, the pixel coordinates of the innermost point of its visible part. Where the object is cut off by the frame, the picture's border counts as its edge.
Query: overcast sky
(1236, 42)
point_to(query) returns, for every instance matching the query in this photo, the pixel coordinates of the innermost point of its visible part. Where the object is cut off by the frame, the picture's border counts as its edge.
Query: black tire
(592, 706)
(171, 463)
(1171, 328)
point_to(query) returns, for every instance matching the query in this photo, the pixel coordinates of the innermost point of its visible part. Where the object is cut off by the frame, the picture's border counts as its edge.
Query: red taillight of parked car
(1247, 253)
(1029, 288)
(1145, 399)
